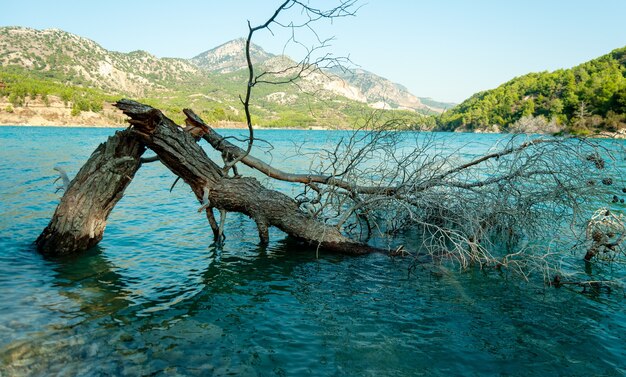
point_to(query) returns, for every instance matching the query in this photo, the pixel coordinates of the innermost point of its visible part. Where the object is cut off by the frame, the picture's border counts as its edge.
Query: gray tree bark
(80, 218)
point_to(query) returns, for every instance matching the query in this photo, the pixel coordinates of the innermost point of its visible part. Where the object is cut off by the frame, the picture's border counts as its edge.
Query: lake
(157, 298)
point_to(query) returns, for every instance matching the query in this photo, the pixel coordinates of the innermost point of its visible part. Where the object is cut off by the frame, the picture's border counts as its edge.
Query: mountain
(356, 84)
(585, 99)
(229, 57)
(382, 93)
(437, 104)
(81, 61)
(39, 64)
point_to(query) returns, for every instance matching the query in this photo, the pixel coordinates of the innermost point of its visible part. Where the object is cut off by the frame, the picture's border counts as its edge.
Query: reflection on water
(156, 298)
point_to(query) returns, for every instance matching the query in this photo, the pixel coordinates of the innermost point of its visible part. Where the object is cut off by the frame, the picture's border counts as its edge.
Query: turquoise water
(157, 298)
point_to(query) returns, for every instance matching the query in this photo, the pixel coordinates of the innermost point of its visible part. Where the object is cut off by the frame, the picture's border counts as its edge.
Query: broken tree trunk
(179, 151)
(80, 218)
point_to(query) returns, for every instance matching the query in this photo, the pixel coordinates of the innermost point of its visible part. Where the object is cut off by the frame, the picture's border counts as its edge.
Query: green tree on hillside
(600, 84)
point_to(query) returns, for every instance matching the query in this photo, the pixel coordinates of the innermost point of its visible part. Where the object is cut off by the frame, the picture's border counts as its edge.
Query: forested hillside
(42, 67)
(582, 100)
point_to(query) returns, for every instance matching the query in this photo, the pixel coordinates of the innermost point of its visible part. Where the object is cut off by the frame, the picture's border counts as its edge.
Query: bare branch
(290, 74)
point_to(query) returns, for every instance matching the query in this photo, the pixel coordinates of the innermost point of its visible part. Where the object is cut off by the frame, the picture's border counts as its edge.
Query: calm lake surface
(156, 298)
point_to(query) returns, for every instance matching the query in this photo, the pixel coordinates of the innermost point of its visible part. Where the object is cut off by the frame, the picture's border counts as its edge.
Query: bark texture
(179, 151)
(80, 218)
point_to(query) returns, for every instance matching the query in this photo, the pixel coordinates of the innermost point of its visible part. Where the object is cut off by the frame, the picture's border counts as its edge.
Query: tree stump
(80, 218)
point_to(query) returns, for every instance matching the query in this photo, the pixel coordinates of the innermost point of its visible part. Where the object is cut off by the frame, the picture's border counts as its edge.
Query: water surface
(157, 298)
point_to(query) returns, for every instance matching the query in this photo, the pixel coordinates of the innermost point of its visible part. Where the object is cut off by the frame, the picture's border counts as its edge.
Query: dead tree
(496, 210)
(368, 184)
(79, 221)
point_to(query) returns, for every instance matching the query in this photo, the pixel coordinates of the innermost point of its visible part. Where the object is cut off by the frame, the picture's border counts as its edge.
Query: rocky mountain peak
(230, 57)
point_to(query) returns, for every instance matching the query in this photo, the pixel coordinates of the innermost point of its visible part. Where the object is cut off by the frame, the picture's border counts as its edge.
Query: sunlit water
(155, 298)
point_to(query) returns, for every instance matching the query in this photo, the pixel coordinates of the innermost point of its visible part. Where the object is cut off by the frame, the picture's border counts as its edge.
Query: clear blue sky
(445, 49)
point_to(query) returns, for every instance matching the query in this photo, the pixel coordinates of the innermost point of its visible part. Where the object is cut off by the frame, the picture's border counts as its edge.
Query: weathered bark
(179, 151)
(80, 218)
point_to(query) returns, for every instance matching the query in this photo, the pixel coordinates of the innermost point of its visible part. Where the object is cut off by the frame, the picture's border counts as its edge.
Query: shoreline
(56, 113)
(63, 125)
(603, 135)
(216, 127)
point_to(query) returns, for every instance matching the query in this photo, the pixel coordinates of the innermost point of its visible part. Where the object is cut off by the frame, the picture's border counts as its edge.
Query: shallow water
(156, 298)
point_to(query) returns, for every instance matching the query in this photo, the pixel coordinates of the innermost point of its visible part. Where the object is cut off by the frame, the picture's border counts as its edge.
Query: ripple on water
(156, 297)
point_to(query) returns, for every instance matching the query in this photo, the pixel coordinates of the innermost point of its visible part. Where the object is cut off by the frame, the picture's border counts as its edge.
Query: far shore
(65, 125)
(56, 113)
(214, 126)
(232, 126)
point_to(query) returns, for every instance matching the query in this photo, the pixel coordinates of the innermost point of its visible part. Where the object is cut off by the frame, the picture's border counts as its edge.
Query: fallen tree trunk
(179, 151)
(80, 218)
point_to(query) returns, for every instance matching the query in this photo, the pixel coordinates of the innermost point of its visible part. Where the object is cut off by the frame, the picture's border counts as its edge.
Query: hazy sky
(445, 49)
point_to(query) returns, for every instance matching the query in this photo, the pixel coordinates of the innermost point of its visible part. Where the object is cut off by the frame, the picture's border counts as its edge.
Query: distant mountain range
(55, 77)
(210, 83)
(355, 84)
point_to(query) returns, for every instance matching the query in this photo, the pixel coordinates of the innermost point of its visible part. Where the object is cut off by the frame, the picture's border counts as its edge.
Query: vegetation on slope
(585, 99)
(19, 86)
(215, 98)
(84, 75)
